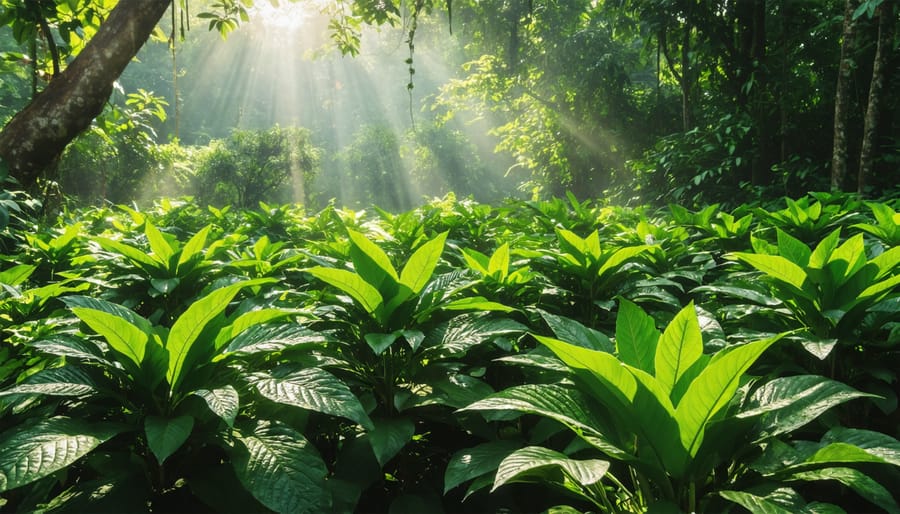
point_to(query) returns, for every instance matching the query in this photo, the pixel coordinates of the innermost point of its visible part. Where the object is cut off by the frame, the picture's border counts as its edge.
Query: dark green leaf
(166, 435)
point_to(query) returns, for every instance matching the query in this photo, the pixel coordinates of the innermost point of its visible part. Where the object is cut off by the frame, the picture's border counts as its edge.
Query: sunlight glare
(286, 16)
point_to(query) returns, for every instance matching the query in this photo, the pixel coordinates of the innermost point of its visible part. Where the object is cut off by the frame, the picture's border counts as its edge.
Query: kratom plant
(593, 273)
(401, 341)
(172, 410)
(667, 425)
(498, 280)
(807, 218)
(886, 226)
(159, 282)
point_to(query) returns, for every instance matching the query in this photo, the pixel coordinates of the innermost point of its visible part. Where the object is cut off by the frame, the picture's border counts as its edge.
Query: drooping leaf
(313, 389)
(472, 463)
(166, 435)
(122, 336)
(856, 480)
(223, 402)
(280, 468)
(389, 436)
(785, 404)
(31, 452)
(530, 463)
(64, 381)
(273, 337)
(352, 284)
(776, 267)
(370, 261)
(571, 331)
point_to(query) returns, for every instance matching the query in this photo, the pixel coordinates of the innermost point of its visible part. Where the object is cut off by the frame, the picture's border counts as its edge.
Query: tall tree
(880, 75)
(842, 98)
(40, 132)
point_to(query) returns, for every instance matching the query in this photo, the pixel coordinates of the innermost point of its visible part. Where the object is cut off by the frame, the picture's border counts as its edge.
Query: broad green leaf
(636, 337)
(573, 332)
(166, 435)
(370, 261)
(247, 320)
(421, 264)
(793, 249)
(787, 403)
(457, 335)
(472, 463)
(281, 469)
(192, 322)
(602, 364)
(713, 389)
(876, 444)
(679, 347)
(381, 342)
(822, 251)
(776, 267)
(856, 480)
(273, 337)
(32, 451)
(780, 501)
(739, 292)
(499, 263)
(165, 285)
(64, 381)
(476, 261)
(224, 402)
(312, 389)
(122, 336)
(160, 247)
(389, 436)
(351, 283)
(193, 248)
(568, 406)
(846, 260)
(476, 303)
(136, 256)
(17, 274)
(72, 347)
(110, 308)
(530, 463)
(619, 257)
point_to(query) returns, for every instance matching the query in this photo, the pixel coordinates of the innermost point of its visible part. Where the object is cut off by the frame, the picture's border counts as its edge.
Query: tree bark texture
(880, 75)
(842, 99)
(70, 102)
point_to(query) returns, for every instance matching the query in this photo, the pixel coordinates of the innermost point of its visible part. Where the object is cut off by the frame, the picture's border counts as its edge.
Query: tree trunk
(70, 102)
(880, 72)
(842, 99)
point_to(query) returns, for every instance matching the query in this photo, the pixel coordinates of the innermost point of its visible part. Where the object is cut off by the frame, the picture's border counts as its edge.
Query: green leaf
(680, 346)
(776, 267)
(881, 446)
(312, 389)
(381, 342)
(568, 406)
(370, 261)
(499, 263)
(636, 337)
(31, 452)
(273, 337)
(780, 501)
(787, 403)
(224, 402)
(476, 303)
(472, 463)
(713, 389)
(389, 436)
(193, 248)
(421, 264)
(573, 332)
(166, 435)
(160, 247)
(192, 322)
(793, 249)
(64, 381)
(856, 480)
(351, 283)
(280, 468)
(122, 336)
(17, 274)
(531, 463)
(136, 256)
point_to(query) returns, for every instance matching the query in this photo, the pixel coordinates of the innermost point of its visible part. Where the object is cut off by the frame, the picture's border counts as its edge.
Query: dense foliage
(459, 357)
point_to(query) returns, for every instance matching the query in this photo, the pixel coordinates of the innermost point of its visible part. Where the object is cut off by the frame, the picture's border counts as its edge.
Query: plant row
(456, 357)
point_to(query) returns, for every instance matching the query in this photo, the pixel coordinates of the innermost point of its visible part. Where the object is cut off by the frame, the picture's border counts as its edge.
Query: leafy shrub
(274, 166)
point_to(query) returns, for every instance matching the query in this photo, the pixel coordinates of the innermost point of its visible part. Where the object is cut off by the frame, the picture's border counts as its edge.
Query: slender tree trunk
(842, 99)
(41, 131)
(880, 74)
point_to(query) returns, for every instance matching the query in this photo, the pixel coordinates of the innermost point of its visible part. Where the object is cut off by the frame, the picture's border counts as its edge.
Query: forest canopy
(638, 100)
